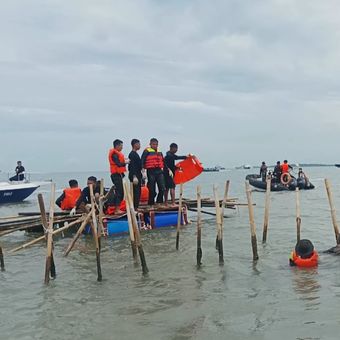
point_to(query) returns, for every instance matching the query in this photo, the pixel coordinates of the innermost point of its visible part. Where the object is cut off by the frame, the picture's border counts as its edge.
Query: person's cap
(304, 249)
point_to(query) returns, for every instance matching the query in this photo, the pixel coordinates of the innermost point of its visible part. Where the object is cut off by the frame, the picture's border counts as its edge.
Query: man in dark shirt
(263, 171)
(85, 197)
(277, 172)
(169, 172)
(19, 173)
(135, 171)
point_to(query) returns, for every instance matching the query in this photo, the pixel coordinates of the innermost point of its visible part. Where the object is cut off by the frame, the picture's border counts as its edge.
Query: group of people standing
(151, 168)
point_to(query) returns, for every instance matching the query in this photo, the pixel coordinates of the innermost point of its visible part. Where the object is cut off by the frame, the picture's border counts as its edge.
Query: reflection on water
(305, 284)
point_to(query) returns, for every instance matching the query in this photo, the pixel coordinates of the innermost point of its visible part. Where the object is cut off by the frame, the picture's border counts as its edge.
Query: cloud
(231, 78)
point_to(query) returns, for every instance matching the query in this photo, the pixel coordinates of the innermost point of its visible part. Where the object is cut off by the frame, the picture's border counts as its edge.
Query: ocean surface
(240, 300)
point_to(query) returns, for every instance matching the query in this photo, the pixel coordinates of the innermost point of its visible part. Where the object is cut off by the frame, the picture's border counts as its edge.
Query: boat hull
(257, 182)
(12, 193)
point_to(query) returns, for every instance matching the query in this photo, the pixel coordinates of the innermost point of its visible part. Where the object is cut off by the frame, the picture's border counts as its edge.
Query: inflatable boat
(301, 183)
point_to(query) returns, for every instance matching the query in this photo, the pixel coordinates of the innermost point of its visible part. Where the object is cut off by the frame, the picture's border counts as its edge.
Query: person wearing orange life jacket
(68, 199)
(153, 163)
(117, 168)
(285, 175)
(304, 255)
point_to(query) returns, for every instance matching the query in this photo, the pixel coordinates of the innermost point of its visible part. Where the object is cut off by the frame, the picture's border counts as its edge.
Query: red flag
(187, 170)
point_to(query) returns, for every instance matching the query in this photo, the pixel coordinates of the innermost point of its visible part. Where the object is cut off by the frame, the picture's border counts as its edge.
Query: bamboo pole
(179, 217)
(252, 223)
(78, 233)
(199, 227)
(94, 227)
(219, 227)
(131, 209)
(266, 210)
(101, 211)
(298, 215)
(49, 265)
(55, 232)
(224, 205)
(333, 212)
(131, 229)
(2, 262)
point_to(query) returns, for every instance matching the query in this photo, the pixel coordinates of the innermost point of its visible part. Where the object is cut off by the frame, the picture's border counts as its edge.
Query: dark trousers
(19, 177)
(136, 191)
(117, 180)
(155, 176)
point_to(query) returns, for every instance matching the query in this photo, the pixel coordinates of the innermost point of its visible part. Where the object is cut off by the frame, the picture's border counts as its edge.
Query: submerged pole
(94, 228)
(2, 262)
(179, 217)
(219, 227)
(252, 223)
(266, 209)
(199, 227)
(333, 211)
(298, 215)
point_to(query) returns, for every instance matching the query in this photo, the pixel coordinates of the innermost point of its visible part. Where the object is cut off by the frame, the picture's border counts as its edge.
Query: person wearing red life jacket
(304, 255)
(153, 163)
(68, 199)
(285, 167)
(117, 168)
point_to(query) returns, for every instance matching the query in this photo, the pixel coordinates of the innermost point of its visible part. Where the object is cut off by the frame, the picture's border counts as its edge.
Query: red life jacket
(110, 210)
(309, 262)
(144, 194)
(285, 168)
(71, 198)
(113, 166)
(154, 159)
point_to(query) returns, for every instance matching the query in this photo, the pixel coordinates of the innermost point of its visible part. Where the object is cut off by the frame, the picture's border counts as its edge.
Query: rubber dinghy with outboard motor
(11, 192)
(256, 181)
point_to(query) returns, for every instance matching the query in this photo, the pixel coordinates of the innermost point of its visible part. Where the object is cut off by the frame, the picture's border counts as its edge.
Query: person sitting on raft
(68, 199)
(263, 171)
(304, 255)
(169, 172)
(84, 200)
(19, 173)
(118, 168)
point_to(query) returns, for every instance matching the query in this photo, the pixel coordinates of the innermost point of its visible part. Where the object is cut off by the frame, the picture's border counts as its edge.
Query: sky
(233, 82)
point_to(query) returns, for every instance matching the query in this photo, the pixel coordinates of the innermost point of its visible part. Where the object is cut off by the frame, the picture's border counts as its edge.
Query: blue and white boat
(11, 192)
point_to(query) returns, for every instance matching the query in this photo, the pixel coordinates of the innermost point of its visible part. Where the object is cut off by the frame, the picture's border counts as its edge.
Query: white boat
(11, 192)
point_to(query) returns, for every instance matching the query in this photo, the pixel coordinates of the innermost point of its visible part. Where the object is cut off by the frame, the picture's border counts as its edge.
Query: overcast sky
(233, 82)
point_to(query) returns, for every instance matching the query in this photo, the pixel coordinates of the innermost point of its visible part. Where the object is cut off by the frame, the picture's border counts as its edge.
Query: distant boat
(214, 169)
(337, 165)
(246, 166)
(11, 192)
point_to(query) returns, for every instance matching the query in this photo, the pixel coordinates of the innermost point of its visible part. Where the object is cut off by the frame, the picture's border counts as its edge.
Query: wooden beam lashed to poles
(298, 215)
(252, 223)
(333, 211)
(266, 209)
(2, 262)
(219, 227)
(94, 228)
(199, 227)
(132, 211)
(179, 217)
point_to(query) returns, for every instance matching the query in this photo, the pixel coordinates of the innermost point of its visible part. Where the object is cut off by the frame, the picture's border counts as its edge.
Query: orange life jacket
(154, 159)
(114, 168)
(285, 168)
(110, 210)
(71, 198)
(300, 262)
(144, 194)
